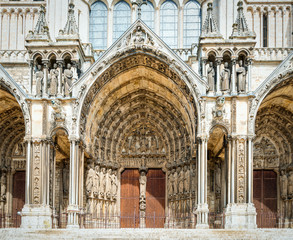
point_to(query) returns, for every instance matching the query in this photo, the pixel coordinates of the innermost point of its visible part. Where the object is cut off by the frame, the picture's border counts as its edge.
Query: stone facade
(74, 118)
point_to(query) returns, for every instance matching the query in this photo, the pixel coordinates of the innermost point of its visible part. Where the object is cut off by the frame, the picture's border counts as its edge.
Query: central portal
(142, 201)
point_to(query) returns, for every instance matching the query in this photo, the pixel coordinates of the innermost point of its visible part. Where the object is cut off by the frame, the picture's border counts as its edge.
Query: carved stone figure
(142, 183)
(89, 183)
(114, 184)
(241, 77)
(225, 77)
(3, 186)
(68, 77)
(39, 80)
(290, 185)
(211, 76)
(103, 181)
(175, 185)
(186, 183)
(283, 185)
(193, 178)
(96, 181)
(108, 183)
(53, 78)
(170, 183)
(180, 180)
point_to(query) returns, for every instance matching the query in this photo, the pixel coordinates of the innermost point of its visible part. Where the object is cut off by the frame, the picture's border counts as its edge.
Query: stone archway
(139, 113)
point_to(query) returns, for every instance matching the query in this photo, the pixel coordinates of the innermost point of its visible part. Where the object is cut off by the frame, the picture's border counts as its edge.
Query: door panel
(129, 200)
(265, 197)
(155, 199)
(18, 196)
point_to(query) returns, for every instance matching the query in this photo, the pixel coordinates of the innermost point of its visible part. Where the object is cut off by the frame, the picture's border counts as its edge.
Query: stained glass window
(148, 14)
(122, 19)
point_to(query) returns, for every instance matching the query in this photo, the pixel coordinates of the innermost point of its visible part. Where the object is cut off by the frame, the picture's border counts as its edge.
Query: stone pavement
(156, 234)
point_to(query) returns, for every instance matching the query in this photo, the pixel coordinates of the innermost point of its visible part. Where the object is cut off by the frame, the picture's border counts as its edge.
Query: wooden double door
(18, 196)
(265, 198)
(155, 199)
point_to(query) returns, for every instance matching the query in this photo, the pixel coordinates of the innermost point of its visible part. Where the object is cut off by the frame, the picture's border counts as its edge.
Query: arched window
(98, 25)
(148, 14)
(122, 19)
(191, 23)
(168, 23)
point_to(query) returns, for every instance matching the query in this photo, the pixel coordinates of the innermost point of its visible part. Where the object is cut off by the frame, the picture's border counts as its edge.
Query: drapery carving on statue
(114, 185)
(284, 185)
(90, 178)
(290, 185)
(180, 180)
(265, 154)
(142, 185)
(102, 183)
(240, 170)
(171, 182)
(186, 182)
(108, 183)
(96, 182)
(3, 185)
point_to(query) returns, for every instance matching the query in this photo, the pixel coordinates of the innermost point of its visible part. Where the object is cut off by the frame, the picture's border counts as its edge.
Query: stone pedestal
(202, 213)
(36, 217)
(240, 216)
(73, 214)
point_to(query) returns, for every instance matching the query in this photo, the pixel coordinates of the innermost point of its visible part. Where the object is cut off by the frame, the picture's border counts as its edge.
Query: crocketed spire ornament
(70, 28)
(240, 27)
(41, 31)
(210, 27)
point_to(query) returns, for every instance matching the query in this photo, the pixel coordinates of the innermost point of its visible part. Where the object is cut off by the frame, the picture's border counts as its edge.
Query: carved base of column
(202, 213)
(73, 214)
(36, 217)
(240, 216)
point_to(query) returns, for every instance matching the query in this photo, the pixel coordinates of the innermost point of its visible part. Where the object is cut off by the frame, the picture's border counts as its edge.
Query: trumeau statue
(290, 185)
(225, 77)
(142, 182)
(39, 80)
(241, 77)
(211, 76)
(283, 185)
(53, 78)
(68, 78)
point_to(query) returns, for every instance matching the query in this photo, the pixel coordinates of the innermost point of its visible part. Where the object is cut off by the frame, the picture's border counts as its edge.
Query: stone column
(249, 87)
(261, 27)
(241, 213)
(157, 20)
(45, 80)
(36, 213)
(142, 196)
(233, 77)
(110, 27)
(60, 64)
(203, 67)
(202, 207)
(180, 27)
(73, 201)
(218, 65)
(31, 77)
(283, 28)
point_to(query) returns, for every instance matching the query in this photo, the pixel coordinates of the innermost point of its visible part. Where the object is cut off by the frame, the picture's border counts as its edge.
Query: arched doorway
(141, 122)
(13, 159)
(273, 176)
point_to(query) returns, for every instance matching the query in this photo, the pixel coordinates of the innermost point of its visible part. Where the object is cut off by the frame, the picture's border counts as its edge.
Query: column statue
(102, 184)
(114, 185)
(89, 183)
(39, 81)
(180, 179)
(211, 77)
(186, 183)
(283, 185)
(175, 185)
(290, 185)
(170, 183)
(142, 183)
(3, 183)
(241, 77)
(108, 183)
(225, 77)
(53, 80)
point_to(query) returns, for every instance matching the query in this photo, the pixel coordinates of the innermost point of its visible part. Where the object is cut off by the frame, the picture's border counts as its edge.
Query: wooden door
(265, 197)
(155, 199)
(129, 198)
(18, 196)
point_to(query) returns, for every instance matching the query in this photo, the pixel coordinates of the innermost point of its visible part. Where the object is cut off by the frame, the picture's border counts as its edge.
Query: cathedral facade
(146, 114)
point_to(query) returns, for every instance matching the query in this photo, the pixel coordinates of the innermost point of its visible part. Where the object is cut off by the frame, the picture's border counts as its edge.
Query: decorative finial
(139, 3)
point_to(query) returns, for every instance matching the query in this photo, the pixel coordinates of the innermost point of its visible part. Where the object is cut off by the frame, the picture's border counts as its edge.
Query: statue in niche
(142, 184)
(108, 183)
(53, 80)
(39, 80)
(241, 77)
(3, 183)
(19, 149)
(283, 184)
(211, 77)
(89, 183)
(170, 182)
(225, 77)
(96, 181)
(186, 184)
(180, 180)
(290, 185)
(103, 182)
(114, 184)
(175, 185)
(65, 178)
(68, 78)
